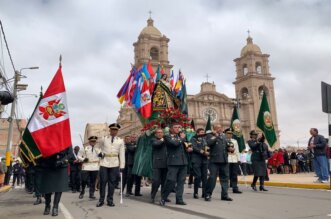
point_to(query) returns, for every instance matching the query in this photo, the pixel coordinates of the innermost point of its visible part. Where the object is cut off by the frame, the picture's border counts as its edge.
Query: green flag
(264, 122)
(208, 126)
(182, 97)
(237, 131)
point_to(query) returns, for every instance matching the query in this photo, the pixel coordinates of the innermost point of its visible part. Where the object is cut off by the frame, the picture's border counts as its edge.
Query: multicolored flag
(264, 122)
(145, 101)
(49, 126)
(172, 80)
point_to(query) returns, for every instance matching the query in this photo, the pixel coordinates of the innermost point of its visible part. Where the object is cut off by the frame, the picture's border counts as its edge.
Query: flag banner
(264, 122)
(49, 126)
(237, 131)
(208, 125)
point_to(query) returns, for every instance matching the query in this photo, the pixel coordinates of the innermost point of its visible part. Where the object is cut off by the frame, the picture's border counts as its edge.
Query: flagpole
(60, 61)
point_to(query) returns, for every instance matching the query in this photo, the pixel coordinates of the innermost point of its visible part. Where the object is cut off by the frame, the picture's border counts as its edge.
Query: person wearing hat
(259, 155)
(75, 169)
(89, 156)
(234, 159)
(177, 165)
(199, 161)
(17, 171)
(218, 163)
(112, 160)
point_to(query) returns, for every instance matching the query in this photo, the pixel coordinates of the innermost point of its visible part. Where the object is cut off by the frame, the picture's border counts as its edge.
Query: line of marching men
(214, 154)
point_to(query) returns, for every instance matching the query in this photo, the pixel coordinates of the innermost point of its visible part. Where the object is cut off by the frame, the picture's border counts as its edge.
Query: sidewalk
(299, 180)
(5, 188)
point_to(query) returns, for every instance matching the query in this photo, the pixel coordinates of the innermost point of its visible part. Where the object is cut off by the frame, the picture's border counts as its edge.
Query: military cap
(253, 132)
(228, 131)
(114, 126)
(93, 138)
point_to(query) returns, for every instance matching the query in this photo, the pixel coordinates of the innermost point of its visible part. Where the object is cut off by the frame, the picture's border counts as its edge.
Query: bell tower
(252, 79)
(152, 45)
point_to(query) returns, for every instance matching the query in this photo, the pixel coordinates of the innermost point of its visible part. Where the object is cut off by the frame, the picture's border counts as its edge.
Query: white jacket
(234, 157)
(92, 156)
(114, 153)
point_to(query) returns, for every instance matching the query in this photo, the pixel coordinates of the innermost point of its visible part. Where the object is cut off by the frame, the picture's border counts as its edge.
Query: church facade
(252, 79)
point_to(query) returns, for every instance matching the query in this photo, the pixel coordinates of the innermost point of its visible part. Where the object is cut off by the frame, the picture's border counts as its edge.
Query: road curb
(292, 185)
(5, 188)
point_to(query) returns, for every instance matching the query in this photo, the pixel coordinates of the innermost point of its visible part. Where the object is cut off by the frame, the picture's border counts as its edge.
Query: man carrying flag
(49, 131)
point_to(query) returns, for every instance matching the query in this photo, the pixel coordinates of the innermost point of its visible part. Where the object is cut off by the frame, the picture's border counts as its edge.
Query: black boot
(38, 201)
(57, 198)
(263, 189)
(254, 187)
(47, 203)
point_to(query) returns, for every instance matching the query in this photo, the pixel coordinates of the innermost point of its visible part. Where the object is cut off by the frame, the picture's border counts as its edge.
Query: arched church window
(244, 93)
(154, 53)
(245, 69)
(263, 89)
(258, 68)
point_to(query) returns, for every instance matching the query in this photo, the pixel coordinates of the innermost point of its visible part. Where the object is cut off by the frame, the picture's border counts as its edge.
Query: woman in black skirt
(259, 155)
(53, 177)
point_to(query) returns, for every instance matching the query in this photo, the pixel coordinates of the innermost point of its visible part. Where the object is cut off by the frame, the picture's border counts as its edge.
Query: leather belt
(111, 155)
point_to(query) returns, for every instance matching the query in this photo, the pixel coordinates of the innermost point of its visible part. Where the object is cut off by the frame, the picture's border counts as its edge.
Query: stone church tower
(152, 45)
(252, 79)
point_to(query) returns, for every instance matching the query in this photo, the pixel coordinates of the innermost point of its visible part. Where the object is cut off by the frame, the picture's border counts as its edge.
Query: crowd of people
(109, 162)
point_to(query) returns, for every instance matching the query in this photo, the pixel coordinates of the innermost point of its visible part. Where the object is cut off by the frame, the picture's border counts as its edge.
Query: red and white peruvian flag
(49, 125)
(145, 101)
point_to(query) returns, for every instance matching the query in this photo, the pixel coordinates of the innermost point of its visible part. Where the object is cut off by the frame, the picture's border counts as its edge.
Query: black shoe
(263, 189)
(117, 187)
(74, 191)
(180, 203)
(99, 204)
(81, 195)
(196, 196)
(55, 211)
(47, 210)
(162, 202)
(203, 196)
(254, 187)
(38, 201)
(237, 191)
(226, 199)
(207, 198)
(129, 193)
(167, 200)
(152, 200)
(92, 197)
(111, 204)
(138, 194)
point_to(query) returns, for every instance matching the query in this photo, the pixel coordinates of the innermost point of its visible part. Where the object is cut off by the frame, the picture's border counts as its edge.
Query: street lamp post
(17, 77)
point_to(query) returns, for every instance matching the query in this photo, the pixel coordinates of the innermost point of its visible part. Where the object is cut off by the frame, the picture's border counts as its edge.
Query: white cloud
(95, 39)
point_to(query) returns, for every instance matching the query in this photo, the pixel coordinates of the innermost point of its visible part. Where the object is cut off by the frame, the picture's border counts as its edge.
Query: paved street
(277, 203)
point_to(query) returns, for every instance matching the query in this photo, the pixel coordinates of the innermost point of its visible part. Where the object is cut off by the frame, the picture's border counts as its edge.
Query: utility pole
(16, 87)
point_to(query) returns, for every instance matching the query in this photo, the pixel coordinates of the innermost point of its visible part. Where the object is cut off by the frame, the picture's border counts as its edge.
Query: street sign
(326, 97)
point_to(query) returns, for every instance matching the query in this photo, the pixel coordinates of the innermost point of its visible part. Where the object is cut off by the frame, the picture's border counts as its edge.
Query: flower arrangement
(165, 119)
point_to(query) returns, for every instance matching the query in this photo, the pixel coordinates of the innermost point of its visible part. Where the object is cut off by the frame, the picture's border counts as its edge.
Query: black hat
(228, 131)
(114, 126)
(253, 132)
(93, 138)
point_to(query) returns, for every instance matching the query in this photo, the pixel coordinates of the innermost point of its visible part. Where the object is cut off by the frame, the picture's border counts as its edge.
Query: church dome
(250, 48)
(150, 29)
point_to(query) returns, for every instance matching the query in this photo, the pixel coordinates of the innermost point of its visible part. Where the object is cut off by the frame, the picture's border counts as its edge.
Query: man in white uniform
(112, 160)
(89, 155)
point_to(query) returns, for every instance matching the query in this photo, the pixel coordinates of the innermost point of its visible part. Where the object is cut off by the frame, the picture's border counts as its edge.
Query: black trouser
(158, 178)
(303, 167)
(222, 171)
(29, 182)
(233, 173)
(200, 175)
(75, 180)
(18, 178)
(7, 178)
(175, 176)
(57, 198)
(132, 178)
(107, 176)
(261, 180)
(92, 176)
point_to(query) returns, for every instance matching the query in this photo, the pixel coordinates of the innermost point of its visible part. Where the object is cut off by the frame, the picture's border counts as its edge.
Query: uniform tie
(112, 139)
